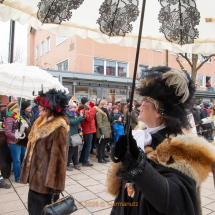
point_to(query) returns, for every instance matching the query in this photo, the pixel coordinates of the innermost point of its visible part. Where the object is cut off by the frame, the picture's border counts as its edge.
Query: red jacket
(88, 124)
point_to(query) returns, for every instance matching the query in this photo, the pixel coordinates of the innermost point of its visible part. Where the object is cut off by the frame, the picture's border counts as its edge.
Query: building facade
(97, 70)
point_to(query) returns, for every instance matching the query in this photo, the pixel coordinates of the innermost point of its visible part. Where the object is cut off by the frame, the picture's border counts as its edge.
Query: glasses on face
(147, 101)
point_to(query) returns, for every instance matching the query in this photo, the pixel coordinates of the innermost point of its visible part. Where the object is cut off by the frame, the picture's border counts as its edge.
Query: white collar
(143, 137)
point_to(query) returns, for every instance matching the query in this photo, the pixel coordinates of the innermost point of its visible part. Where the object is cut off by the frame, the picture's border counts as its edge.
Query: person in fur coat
(44, 165)
(165, 168)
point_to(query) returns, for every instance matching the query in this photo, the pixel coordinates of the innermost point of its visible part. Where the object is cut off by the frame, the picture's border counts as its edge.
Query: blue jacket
(118, 130)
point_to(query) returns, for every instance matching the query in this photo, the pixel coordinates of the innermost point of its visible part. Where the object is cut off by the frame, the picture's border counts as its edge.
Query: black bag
(64, 206)
(75, 140)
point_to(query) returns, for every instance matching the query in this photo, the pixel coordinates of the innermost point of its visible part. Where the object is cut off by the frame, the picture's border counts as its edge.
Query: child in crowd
(118, 127)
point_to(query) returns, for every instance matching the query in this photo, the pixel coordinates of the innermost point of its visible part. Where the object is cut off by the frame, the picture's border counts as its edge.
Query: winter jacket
(118, 130)
(36, 111)
(28, 117)
(204, 114)
(73, 125)
(196, 115)
(103, 124)
(88, 124)
(10, 129)
(44, 165)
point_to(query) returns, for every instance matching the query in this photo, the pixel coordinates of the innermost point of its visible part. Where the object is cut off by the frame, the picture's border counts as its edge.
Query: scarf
(73, 114)
(143, 137)
(106, 111)
(15, 116)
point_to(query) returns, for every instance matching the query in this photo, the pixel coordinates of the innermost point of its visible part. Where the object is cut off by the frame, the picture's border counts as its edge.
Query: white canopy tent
(84, 24)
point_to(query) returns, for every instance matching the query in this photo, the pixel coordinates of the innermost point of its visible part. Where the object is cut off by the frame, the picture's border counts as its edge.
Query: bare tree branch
(18, 55)
(203, 62)
(179, 62)
(187, 59)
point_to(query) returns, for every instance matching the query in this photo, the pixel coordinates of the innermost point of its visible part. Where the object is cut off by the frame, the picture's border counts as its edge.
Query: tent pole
(11, 41)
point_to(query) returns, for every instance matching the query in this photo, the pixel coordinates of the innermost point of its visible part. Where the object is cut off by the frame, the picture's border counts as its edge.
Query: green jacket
(73, 122)
(103, 124)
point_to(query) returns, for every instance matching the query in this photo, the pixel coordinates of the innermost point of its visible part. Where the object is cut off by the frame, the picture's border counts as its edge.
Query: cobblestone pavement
(87, 186)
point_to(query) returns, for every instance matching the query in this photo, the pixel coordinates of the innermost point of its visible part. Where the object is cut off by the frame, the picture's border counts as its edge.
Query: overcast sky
(20, 38)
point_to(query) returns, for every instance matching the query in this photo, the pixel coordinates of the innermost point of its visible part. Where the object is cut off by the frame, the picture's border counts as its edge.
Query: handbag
(76, 140)
(64, 206)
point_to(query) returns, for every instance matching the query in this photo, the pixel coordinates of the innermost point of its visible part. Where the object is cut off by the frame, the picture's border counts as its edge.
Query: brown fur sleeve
(56, 174)
(113, 183)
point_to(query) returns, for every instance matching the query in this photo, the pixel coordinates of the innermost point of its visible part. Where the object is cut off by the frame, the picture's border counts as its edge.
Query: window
(200, 58)
(109, 67)
(42, 49)
(142, 68)
(122, 69)
(98, 66)
(109, 94)
(37, 52)
(210, 60)
(47, 44)
(95, 92)
(63, 66)
(208, 81)
(60, 40)
(201, 80)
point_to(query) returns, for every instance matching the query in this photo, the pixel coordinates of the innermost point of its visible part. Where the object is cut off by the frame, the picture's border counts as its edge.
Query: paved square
(87, 186)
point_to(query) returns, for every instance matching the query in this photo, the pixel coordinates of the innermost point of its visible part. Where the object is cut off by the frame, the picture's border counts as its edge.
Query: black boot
(101, 161)
(100, 153)
(103, 152)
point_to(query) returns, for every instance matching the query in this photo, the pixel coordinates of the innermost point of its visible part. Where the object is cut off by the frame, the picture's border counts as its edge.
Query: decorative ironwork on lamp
(179, 19)
(56, 11)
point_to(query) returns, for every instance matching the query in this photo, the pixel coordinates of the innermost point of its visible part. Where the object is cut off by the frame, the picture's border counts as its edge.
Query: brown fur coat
(44, 165)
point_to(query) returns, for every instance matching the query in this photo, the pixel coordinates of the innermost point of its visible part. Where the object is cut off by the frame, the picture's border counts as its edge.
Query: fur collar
(43, 128)
(101, 111)
(192, 155)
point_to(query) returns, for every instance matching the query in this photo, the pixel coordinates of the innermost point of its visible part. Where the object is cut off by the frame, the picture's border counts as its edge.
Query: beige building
(97, 70)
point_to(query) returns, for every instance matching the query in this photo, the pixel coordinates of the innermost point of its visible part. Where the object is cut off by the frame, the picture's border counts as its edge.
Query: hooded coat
(103, 124)
(88, 124)
(44, 165)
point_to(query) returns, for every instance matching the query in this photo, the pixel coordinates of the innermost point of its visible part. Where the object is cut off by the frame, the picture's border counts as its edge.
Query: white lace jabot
(143, 137)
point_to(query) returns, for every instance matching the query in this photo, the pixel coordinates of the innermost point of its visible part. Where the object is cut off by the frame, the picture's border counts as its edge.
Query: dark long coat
(175, 194)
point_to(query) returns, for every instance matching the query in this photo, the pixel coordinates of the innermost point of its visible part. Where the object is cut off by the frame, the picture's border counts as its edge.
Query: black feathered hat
(172, 91)
(54, 100)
